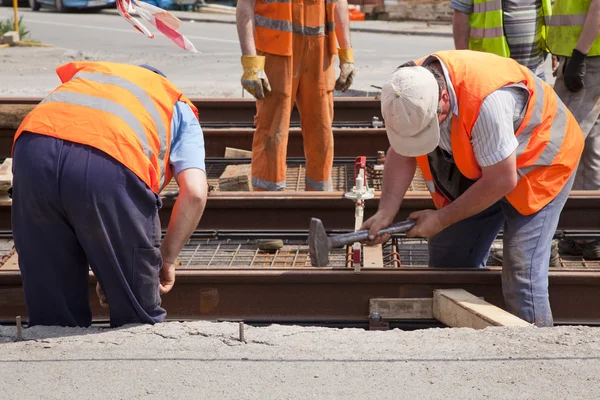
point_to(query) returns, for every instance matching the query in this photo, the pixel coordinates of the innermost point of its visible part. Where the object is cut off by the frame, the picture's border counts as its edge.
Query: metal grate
(397, 253)
(213, 253)
(342, 178)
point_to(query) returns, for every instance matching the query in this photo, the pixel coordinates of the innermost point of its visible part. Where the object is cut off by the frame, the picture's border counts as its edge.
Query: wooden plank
(236, 178)
(460, 309)
(372, 256)
(415, 308)
(12, 263)
(231, 152)
(6, 175)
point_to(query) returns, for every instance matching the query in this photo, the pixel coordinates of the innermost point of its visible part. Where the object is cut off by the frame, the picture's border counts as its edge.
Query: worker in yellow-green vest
(574, 36)
(508, 28)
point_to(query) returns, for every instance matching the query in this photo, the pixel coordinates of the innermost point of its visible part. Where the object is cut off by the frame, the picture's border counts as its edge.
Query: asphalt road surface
(215, 72)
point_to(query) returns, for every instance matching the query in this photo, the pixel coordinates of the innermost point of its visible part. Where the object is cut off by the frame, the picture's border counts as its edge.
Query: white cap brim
(420, 144)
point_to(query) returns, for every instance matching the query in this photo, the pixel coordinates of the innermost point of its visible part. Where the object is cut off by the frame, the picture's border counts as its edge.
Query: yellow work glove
(254, 79)
(346, 69)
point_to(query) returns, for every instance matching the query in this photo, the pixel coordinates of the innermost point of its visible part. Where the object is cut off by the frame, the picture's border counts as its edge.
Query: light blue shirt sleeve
(187, 140)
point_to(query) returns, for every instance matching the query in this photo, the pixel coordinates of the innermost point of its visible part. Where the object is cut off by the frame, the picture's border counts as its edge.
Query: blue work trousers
(526, 252)
(75, 207)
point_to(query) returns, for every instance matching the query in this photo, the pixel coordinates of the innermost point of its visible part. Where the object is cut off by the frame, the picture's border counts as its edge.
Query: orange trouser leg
(315, 104)
(272, 121)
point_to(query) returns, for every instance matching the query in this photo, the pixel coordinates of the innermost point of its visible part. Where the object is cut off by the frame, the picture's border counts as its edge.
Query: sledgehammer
(319, 243)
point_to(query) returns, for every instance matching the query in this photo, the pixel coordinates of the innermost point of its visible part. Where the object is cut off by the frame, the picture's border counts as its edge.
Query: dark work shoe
(569, 246)
(495, 257)
(591, 251)
(554, 258)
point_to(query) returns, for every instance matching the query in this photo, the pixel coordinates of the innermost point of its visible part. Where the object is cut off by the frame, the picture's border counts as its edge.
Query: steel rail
(242, 110)
(326, 295)
(348, 111)
(293, 210)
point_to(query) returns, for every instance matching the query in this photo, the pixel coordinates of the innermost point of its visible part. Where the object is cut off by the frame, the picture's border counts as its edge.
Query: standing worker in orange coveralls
(288, 49)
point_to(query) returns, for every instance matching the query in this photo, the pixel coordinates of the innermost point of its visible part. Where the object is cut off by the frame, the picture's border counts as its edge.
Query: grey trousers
(585, 107)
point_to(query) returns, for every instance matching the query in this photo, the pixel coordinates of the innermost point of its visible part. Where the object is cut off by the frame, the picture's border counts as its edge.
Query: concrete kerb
(196, 17)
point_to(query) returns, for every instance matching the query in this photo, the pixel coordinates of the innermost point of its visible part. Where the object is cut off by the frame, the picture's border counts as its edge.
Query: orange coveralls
(306, 77)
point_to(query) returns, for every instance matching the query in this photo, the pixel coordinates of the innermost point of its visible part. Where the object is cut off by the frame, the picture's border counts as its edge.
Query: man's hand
(167, 277)
(346, 70)
(101, 296)
(428, 224)
(254, 79)
(376, 223)
(575, 71)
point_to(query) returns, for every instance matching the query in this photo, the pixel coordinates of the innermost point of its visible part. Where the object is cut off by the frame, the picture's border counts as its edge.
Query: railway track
(224, 276)
(229, 123)
(292, 209)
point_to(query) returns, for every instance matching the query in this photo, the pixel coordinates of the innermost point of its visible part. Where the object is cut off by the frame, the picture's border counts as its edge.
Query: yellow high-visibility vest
(565, 25)
(487, 28)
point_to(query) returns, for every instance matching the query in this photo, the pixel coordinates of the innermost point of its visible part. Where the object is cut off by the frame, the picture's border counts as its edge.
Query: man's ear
(445, 96)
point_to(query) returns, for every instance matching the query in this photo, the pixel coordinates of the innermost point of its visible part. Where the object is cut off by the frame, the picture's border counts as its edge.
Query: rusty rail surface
(326, 295)
(227, 112)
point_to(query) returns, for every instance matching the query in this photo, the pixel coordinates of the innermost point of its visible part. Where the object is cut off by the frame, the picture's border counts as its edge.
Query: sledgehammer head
(318, 244)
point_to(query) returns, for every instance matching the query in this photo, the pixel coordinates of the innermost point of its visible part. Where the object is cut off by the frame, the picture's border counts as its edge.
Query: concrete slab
(189, 360)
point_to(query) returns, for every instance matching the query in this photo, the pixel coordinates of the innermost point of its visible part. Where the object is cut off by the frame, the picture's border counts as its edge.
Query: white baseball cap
(409, 104)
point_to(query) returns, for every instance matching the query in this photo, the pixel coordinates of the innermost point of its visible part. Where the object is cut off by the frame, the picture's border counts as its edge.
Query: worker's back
(122, 110)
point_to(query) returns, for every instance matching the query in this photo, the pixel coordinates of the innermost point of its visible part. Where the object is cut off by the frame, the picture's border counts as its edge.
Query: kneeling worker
(498, 150)
(89, 163)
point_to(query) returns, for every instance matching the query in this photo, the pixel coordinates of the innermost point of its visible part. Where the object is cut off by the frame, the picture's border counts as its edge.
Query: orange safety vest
(551, 140)
(276, 20)
(123, 110)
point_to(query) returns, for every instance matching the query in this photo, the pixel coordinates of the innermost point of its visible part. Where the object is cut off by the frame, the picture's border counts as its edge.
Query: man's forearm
(245, 26)
(342, 24)
(461, 30)
(398, 173)
(591, 28)
(186, 214)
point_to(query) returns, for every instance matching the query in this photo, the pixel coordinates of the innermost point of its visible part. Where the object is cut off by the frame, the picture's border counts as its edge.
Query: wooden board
(402, 308)
(372, 256)
(236, 178)
(460, 309)
(12, 263)
(231, 152)
(6, 175)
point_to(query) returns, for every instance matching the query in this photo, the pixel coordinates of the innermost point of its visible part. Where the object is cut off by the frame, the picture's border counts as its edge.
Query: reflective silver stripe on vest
(266, 185)
(557, 131)
(146, 102)
(481, 33)
(565, 20)
(491, 5)
(275, 1)
(308, 30)
(318, 185)
(557, 135)
(287, 26)
(331, 26)
(274, 24)
(536, 117)
(109, 106)
(430, 186)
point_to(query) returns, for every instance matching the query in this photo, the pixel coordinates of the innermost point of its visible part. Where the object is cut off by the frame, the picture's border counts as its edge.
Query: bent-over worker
(89, 163)
(288, 50)
(497, 149)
